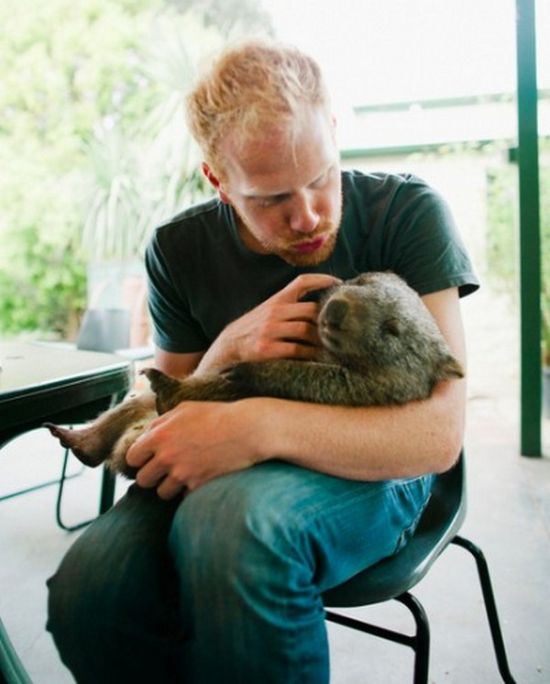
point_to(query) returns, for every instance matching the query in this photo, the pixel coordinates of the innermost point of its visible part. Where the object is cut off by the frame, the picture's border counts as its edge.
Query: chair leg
(62, 479)
(106, 497)
(107, 494)
(34, 488)
(12, 670)
(490, 606)
(421, 641)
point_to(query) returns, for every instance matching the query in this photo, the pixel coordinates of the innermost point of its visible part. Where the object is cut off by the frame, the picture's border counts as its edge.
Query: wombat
(380, 346)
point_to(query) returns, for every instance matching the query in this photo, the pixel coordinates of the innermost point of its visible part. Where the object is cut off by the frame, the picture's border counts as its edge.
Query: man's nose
(303, 216)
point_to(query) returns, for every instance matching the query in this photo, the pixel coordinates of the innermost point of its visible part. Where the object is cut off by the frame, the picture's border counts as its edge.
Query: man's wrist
(215, 360)
(261, 415)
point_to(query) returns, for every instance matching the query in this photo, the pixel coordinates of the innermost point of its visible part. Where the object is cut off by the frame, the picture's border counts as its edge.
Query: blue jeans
(224, 585)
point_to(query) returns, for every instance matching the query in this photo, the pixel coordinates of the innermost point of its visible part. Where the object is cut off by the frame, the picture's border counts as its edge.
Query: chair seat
(396, 574)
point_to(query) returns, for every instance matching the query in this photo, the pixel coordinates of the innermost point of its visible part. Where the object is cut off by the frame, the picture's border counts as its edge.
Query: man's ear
(214, 182)
(333, 125)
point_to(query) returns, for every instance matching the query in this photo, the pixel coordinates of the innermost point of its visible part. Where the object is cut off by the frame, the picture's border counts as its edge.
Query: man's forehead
(267, 160)
(244, 148)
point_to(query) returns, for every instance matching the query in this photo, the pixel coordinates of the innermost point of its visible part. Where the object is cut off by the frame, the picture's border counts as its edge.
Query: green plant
(141, 173)
(502, 237)
(63, 68)
(44, 288)
(84, 85)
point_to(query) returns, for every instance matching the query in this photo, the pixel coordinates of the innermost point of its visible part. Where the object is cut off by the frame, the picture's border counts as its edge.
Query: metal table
(39, 383)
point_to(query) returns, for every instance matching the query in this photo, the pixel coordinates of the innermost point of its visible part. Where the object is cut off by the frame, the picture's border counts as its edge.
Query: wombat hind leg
(93, 443)
(81, 442)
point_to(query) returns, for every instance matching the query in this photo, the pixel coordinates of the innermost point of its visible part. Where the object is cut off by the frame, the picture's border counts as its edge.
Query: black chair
(393, 577)
(102, 330)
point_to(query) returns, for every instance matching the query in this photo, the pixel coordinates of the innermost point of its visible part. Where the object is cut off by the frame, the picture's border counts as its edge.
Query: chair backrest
(104, 330)
(392, 576)
(447, 505)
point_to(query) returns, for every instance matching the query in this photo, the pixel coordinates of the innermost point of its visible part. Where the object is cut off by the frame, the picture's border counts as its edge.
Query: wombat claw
(70, 439)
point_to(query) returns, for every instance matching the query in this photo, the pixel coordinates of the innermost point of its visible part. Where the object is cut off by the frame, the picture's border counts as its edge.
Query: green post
(529, 226)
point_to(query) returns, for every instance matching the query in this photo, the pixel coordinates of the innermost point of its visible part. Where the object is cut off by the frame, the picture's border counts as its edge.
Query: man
(283, 499)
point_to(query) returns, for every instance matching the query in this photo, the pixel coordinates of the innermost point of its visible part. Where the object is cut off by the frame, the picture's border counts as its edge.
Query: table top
(42, 382)
(27, 366)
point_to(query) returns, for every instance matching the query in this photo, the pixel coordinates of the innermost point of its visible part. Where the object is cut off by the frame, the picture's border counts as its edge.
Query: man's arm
(177, 365)
(280, 327)
(196, 442)
(379, 442)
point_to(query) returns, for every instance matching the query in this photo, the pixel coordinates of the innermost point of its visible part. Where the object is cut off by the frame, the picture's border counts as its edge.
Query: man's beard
(296, 258)
(327, 229)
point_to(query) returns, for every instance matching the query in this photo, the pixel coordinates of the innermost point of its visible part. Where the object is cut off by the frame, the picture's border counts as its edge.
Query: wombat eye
(392, 326)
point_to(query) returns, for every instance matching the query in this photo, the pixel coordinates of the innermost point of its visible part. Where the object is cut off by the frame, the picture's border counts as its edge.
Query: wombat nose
(335, 312)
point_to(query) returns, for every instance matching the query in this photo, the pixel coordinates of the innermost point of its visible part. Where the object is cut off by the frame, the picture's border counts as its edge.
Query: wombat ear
(159, 381)
(361, 279)
(392, 326)
(451, 368)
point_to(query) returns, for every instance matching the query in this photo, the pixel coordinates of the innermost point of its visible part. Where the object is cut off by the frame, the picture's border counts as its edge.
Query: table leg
(107, 494)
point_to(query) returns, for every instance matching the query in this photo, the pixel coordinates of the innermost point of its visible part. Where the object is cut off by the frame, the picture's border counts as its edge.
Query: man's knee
(118, 566)
(242, 547)
(243, 522)
(78, 607)
(88, 584)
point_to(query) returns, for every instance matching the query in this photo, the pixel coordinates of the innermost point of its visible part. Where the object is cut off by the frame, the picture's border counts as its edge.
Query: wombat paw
(62, 434)
(76, 442)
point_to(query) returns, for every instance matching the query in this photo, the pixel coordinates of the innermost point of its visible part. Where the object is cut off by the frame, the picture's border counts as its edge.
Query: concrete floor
(509, 517)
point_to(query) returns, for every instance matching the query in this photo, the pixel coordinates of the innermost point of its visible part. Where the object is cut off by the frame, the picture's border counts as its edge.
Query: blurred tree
(93, 149)
(502, 237)
(141, 172)
(229, 16)
(65, 66)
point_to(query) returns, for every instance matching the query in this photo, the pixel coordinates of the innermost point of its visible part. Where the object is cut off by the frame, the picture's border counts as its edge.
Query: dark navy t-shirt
(202, 276)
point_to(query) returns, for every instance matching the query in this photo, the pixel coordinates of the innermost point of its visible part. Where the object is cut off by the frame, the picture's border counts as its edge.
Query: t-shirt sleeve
(423, 243)
(174, 328)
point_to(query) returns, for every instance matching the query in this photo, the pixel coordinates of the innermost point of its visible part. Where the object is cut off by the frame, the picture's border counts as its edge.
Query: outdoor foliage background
(94, 152)
(503, 236)
(93, 149)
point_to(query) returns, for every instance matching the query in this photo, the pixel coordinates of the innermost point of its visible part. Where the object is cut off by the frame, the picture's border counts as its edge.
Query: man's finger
(140, 452)
(150, 474)
(304, 283)
(299, 331)
(288, 349)
(169, 488)
(299, 311)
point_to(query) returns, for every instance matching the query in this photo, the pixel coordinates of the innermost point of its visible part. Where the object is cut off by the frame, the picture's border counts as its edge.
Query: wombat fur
(380, 346)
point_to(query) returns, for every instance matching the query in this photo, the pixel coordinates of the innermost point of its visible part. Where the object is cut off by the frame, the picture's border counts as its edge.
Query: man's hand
(192, 444)
(198, 441)
(280, 327)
